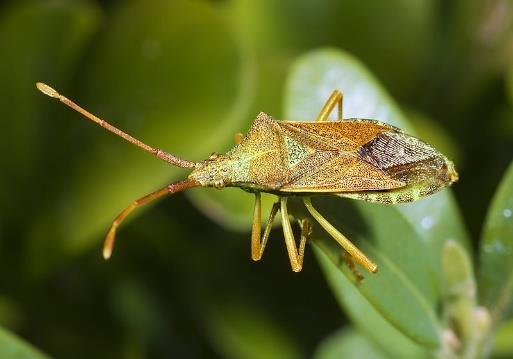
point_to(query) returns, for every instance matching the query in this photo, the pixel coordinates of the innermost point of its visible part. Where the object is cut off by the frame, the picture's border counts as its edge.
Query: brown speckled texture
(361, 159)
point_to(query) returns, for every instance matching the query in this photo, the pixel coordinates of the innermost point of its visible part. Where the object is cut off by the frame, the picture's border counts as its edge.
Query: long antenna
(47, 90)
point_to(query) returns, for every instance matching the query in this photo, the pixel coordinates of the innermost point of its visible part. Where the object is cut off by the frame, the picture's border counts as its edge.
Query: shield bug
(354, 158)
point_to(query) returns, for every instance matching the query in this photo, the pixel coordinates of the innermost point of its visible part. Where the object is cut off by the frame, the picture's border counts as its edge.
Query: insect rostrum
(353, 158)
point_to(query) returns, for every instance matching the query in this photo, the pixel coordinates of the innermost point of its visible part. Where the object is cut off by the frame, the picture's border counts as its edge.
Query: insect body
(354, 158)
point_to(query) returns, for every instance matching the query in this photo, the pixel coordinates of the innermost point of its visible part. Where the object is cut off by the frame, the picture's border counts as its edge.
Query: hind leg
(355, 253)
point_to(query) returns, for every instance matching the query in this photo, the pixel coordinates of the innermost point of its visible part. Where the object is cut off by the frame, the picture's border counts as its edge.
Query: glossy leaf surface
(13, 347)
(365, 317)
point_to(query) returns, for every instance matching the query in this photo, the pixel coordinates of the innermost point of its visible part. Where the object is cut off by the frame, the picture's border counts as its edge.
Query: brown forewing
(348, 135)
(342, 173)
(334, 164)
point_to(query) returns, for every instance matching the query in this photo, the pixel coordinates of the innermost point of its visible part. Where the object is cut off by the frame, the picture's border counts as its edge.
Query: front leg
(258, 244)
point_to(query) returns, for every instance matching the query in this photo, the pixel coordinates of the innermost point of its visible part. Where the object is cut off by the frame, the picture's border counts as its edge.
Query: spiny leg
(169, 189)
(258, 244)
(359, 257)
(306, 233)
(335, 99)
(295, 256)
(47, 90)
(348, 260)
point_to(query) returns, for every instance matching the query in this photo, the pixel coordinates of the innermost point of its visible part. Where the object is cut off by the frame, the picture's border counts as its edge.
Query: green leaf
(144, 76)
(462, 318)
(407, 239)
(502, 344)
(13, 347)
(496, 252)
(348, 343)
(367, 319)
(459, 290)
(391, 293)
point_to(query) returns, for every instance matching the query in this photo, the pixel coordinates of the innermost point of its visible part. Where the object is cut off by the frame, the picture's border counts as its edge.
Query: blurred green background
(185, 76)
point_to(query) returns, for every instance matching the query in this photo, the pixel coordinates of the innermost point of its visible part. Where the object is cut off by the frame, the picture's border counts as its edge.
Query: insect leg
(335, 99)
(306, 232)
(296, 259)
(256, 228)
(348, 260)
(358, 256)
(169, 189)
(258, 244)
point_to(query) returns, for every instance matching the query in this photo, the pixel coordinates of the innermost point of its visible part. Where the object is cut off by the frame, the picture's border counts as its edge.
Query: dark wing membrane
(348, 135)
(403, 157)
(337, 172)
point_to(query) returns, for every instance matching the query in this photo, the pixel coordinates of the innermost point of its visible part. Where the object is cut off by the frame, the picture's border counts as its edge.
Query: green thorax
(258, 161)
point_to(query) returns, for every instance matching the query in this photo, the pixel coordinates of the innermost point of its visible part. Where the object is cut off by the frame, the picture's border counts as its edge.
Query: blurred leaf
(348, 343)
(177, 84)
(502, 343)
(367, 319)
(40, 40)
(459, 289)
(407, 238)
(13, 347)
(496, 252)
(240, 330)
(391, 293)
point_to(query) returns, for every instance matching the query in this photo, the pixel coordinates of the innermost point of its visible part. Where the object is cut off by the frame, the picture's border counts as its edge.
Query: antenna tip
(47, 90)
(109, 243)
(107, 252)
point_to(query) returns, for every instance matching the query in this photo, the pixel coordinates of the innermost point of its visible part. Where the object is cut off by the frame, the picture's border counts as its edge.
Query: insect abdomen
(400, 195)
